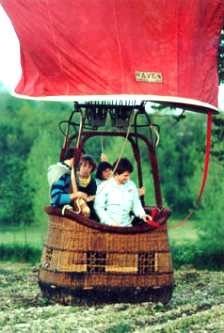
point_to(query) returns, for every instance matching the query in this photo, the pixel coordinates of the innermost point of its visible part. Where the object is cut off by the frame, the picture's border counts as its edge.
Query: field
(197, 306)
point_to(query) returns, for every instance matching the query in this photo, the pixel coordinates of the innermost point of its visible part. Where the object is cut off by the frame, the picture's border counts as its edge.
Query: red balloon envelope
(104, 49)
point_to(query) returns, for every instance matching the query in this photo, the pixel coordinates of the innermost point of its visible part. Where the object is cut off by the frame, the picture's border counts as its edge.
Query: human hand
(90, 198)
(141, 191)
(103, 158)
(147, 218)
(79, 195)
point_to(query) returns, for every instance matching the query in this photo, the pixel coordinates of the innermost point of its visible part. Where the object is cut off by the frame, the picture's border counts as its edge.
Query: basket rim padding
(71, 215)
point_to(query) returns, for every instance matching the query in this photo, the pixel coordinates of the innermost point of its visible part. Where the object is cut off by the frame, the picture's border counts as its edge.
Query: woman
(118, 197)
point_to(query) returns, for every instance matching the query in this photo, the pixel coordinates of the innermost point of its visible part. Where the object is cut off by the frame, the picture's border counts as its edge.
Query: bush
(20, 253)
(194, 254)
(211, 226)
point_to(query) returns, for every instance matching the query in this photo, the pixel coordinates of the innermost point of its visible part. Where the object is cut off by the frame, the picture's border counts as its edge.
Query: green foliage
(29, 142)
(19, 253)
(195, 255)
(211, 226)
(217, 137)
(13, 155)
(120, 328)
(45, 151)
(180, 150)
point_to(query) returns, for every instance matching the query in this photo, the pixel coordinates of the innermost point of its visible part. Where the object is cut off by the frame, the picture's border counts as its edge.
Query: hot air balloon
(111, 58)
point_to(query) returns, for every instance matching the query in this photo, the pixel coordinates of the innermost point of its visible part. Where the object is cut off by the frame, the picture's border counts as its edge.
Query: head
(69, 154)
(87, 165)
(123, 170)
(104, 170)
(69, 157)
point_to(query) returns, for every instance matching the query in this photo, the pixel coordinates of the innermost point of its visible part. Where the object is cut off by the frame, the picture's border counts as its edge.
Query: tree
(14, 206)
(22, 135)
(211, 226)
(180, 151)
(218, 138)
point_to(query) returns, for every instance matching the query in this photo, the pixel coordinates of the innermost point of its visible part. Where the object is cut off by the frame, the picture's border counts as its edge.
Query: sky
(10, 68)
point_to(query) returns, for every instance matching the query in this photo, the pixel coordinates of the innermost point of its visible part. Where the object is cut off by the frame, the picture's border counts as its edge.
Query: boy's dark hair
(69, 154)
(123, 165)
(89, 159)
(102, 167)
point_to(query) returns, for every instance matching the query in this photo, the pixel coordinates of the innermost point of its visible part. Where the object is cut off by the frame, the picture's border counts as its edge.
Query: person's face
(106, 174)
(85, 169)
(123, 177)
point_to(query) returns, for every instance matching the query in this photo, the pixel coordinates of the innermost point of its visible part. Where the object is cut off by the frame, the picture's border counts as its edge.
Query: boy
(59, 178)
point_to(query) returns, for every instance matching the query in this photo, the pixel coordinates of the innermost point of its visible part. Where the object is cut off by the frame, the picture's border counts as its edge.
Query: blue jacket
(60, 191)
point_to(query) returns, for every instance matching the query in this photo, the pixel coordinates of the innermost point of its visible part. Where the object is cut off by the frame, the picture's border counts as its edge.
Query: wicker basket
(82, 257)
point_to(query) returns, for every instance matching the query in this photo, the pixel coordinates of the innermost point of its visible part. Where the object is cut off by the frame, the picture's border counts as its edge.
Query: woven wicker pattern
(78, 256)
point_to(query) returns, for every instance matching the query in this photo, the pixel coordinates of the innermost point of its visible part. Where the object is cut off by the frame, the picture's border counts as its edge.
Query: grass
(182, 233)
(196, 306)
(22, 243)
(32, 236)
